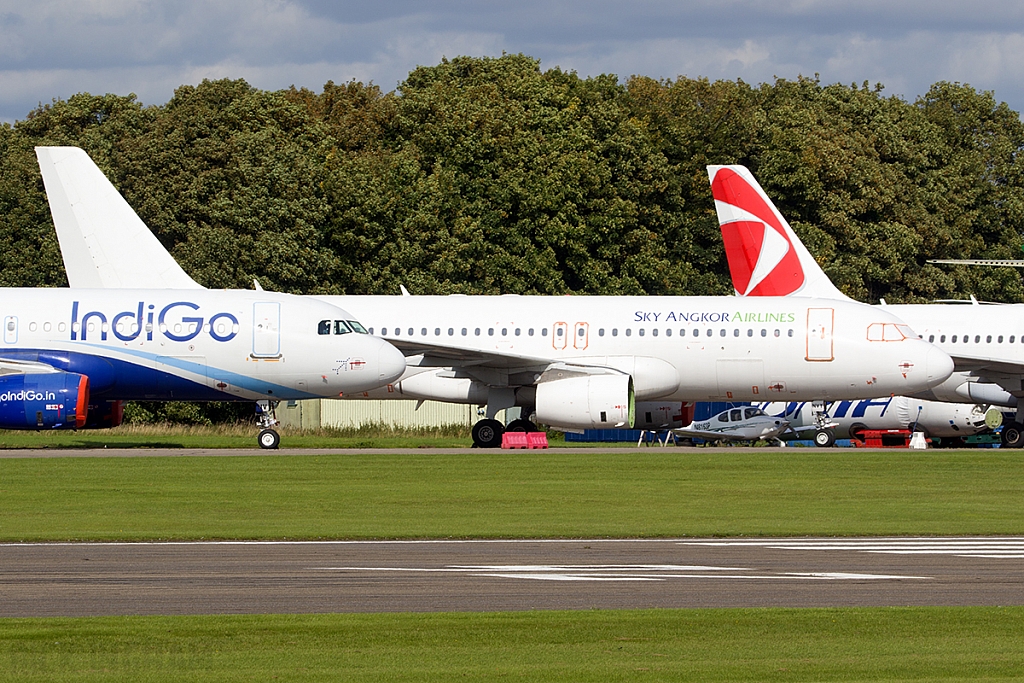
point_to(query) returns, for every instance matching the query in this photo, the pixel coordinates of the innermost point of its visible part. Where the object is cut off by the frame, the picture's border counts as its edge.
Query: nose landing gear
(266, 419)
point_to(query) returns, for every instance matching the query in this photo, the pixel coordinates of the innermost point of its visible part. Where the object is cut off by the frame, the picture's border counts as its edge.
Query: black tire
(269, 439)
(521, 425)
(1013, 435)
(824, 438)
(856, 431)
(487, 434)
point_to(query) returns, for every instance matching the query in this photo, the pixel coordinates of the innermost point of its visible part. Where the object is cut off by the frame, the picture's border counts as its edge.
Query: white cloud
(55, 48)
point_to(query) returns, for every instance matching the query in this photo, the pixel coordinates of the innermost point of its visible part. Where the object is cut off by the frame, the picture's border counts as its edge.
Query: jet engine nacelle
(58, 400)
(588, 402)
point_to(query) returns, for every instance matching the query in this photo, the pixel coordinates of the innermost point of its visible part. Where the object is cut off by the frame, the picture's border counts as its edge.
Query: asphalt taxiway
(72, 579)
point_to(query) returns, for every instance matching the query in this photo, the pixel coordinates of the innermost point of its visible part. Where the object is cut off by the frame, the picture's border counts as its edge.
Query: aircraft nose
(390, 363)
(938, 366)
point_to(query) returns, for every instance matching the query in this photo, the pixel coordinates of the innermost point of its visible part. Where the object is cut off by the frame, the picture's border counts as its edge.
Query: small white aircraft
(746, 423)
(575, 363)
(767, 259)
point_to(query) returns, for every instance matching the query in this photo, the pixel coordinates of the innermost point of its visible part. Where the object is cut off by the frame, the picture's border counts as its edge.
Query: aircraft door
(581, 336)
(10, 330)
(820, 325)
(559, 336)
(266, 329)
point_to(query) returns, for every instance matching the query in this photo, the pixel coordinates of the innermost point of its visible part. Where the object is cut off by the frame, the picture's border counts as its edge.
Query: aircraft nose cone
(938, 366)
(391, 363)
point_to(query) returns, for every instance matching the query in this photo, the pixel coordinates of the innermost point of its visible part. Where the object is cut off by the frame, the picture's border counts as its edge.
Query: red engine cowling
(105, 414)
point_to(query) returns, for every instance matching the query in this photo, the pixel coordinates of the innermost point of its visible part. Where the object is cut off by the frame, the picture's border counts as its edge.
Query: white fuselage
(894, 412)
(194, 344)
(684, 348)
(991, 334)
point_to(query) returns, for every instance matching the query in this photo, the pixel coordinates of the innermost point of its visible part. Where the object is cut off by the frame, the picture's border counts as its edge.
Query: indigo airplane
(66, 349)
(572, 362)
(767, 259)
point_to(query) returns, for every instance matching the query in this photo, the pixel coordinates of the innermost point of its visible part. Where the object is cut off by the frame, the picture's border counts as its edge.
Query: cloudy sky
(55, 48)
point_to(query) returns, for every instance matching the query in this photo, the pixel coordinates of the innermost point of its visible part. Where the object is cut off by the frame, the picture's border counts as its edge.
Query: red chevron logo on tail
(762, 259)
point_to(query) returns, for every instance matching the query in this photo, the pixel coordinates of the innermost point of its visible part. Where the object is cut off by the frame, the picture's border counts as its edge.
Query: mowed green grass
(526, 494)
(920, 644)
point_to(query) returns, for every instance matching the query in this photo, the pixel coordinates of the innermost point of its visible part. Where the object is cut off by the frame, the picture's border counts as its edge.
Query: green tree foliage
(492, 175)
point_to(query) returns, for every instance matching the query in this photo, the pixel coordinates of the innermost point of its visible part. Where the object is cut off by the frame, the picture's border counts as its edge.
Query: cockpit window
(357, 327)
(324, 327)
(752, 412)
(723, 417)
(341, 327)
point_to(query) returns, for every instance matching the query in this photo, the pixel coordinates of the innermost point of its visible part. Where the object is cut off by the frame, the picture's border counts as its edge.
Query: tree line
(491, 175)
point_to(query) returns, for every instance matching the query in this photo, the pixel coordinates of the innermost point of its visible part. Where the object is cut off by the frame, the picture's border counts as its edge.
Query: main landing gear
(266, 419)
(487, 433)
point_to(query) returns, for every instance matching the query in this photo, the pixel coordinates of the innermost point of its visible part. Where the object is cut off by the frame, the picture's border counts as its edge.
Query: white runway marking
(993, 548)
(626, 572)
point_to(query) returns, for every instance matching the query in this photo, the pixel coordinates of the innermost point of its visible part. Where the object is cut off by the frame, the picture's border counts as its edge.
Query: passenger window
(341, 327)
(476, 332)
(791, 332)
(383, 331)
(490, 332)
(641, 331)
(709, 332)
(942, 339)
(615, 332)
(721, 333)
(357, 327)
(629, 331)
(517, 332)
(464, 330)
(410, 331)
(696, 333)
(543, 331)
(988, 339)
(953, 339)
(370, 331)
(764, 332)
(778, 333)
(600, 332)
(530, 332)
(451, 331)
(324, 327)
(655, 332)
(736, 332)
(423, 332)
(668, 332)
(437, 332)
(750, 333)
(736, 415)
(1010, 340)
(999, 339)
(977, 339)
(931, 338)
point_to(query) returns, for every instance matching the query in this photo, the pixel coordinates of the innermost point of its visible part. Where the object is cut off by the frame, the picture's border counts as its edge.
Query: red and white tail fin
(766, 258)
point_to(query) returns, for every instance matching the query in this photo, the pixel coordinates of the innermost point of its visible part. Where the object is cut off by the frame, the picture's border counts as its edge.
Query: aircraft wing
(444, 355)
(983, 364)
(10, 366)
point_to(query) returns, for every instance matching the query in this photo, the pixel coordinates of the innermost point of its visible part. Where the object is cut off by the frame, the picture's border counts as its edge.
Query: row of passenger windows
(965, 339)
(580, 331)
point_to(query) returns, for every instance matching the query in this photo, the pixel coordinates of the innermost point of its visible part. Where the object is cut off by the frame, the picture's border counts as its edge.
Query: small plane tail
(766, 258)
(102, 240)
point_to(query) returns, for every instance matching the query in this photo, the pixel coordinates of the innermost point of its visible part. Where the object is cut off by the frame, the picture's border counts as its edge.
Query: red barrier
(524, 440)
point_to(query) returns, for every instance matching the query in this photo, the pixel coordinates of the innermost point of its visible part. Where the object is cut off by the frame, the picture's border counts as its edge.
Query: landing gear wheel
(824, 438)
(487, 434)
(521, 425)
(1013, 435)
(269, 439)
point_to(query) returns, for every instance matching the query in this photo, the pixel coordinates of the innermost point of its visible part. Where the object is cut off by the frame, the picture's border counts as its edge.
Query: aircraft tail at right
(766, 258)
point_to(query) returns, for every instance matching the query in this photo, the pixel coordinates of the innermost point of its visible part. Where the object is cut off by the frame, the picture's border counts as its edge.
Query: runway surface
(306, 577)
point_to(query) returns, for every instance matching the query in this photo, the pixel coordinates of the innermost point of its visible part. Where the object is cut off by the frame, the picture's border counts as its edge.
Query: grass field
(632, 492)
(920, 644)
(526, 494)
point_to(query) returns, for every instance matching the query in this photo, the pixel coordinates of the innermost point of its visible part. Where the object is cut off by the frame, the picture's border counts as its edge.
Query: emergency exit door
(266, 329)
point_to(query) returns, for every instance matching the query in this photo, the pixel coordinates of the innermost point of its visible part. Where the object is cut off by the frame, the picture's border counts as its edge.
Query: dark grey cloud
(55, 48)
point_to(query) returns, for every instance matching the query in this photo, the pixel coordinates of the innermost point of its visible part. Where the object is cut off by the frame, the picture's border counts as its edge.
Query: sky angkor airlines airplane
(766, 258)
(573, 362)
